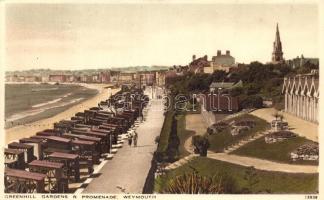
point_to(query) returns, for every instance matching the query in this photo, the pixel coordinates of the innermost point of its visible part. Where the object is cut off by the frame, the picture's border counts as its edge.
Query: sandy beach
(28, 130)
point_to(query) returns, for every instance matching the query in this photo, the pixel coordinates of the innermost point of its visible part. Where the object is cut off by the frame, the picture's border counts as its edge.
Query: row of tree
(260, 81)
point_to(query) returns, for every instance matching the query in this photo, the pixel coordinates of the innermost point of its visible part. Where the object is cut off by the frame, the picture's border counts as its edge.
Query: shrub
(168, 141)
(201, 144)
(254, 101)
(174, 142)
(193, 183)
(157, 139)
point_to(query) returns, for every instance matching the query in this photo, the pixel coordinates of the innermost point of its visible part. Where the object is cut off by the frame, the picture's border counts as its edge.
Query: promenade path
(301, 127)
(127, 171)
(195, 123)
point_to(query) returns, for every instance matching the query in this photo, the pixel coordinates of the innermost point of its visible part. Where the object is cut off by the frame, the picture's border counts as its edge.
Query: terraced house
(302, 96)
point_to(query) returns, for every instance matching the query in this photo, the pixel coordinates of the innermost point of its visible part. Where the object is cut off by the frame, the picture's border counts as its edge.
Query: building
(114, 76)
(45, 79)
(197, 65)
(160, 78)
(301, 61)
(125, 77)
(215, 86)
(86, 78)
(222, 61)
(302, 96)
(12, 78)
(219, 62)
(277, 54)
(104, 77)
(57, 78)
(147, 78)
(32, 79)
(95, 78)
(70, 78)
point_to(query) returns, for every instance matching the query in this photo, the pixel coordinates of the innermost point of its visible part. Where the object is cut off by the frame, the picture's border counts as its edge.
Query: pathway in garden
(196, 124)
(244, 141)
(127, 171)
(262, 164)
(301, 127)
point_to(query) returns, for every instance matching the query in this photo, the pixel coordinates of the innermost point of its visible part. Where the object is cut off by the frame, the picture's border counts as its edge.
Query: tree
(201, 144)
(252, 102)
(218, 75)
(236, 91)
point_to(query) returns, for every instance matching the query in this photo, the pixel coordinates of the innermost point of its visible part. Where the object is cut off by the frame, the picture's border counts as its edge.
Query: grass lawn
(279, 151)
(224, 139)
(183, 135)
(267, 182)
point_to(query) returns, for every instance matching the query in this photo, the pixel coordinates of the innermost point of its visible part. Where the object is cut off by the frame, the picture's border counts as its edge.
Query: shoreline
(39, 110)
(21, 131)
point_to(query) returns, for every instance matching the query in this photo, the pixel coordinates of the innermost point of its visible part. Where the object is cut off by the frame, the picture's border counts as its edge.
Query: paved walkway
(127, 171)
(194, 122)
(298, 125)
(263, 164)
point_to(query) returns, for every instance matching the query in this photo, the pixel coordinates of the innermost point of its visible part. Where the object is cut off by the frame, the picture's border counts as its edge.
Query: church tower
(277, 54)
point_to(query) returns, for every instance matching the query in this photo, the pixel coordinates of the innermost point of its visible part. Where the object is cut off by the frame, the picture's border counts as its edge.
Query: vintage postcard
(156, 99)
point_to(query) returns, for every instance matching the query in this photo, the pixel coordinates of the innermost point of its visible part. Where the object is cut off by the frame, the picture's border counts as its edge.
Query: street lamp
(218, 99)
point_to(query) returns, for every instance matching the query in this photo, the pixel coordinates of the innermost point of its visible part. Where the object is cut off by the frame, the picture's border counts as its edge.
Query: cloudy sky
(78, 36)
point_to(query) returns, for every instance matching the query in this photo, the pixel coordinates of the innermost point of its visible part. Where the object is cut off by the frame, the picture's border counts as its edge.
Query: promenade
(127, 171)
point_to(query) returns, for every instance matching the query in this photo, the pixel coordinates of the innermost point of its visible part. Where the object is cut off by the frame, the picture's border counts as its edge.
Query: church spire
(277, 54)
(277, 35)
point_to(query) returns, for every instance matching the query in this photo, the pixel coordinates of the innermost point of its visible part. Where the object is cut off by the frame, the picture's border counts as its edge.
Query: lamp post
(218, 99)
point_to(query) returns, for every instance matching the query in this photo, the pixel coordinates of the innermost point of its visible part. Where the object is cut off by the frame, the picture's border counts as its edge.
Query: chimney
(193, 57)
(219, 52)
(228, 53)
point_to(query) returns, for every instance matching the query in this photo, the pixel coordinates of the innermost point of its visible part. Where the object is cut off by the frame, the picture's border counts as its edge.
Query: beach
(26, 103)
(30, 129)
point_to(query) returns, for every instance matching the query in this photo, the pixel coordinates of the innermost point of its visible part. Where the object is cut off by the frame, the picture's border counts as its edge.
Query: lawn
(279, 151)
(183, 135)
(265, 181)
(224, 139)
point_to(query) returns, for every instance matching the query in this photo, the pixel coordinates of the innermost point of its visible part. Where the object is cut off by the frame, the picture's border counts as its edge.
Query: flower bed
(279, 136)
(308, 151)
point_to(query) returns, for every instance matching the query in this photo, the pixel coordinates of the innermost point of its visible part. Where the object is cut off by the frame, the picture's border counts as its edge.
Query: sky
(90, 36)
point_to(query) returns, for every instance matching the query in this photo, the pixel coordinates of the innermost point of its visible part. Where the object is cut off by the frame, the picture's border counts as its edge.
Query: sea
(26, 103)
